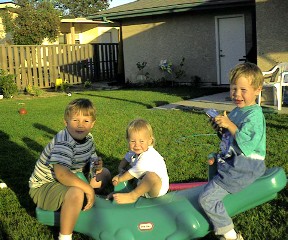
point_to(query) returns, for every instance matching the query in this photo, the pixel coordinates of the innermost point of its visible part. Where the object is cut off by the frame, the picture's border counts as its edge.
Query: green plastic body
(175, 216)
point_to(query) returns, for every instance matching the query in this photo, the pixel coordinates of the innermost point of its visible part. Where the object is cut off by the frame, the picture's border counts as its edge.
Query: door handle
(222, 55)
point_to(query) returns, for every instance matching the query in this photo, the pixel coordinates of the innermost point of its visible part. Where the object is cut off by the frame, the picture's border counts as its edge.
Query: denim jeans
(211, 202)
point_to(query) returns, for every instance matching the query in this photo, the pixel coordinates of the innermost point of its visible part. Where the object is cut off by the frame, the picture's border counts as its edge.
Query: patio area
(219, 101)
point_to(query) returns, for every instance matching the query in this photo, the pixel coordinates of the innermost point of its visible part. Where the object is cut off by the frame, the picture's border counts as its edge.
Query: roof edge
(165, 10)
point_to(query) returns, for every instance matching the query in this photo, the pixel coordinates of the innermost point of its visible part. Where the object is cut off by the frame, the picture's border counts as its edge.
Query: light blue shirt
(241, 160)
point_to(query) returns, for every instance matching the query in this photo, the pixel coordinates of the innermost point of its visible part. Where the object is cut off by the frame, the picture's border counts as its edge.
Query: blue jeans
(211, 202)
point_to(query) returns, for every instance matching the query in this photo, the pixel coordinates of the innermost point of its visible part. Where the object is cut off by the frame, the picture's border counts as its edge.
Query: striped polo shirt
(63, 150)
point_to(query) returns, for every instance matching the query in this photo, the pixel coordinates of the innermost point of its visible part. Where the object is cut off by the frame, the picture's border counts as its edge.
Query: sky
(115, 3)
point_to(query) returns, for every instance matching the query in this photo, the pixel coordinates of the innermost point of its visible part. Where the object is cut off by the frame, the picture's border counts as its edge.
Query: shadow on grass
(273, 121)
(16, 167)
(3, 233)
(45, 128)
(114, 98)
(185, 92)
(17, 164)
(160, 103)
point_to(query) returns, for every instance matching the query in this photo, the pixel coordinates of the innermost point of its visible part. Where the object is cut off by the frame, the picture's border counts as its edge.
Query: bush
(87, 84)
(34, 90)
(65, 86)
(7, 84)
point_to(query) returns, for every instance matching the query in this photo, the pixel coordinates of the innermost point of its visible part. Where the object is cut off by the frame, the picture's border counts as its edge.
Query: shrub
(34, 90)
(7, 84)
(141, 66)
(65, 87)
(87, 84)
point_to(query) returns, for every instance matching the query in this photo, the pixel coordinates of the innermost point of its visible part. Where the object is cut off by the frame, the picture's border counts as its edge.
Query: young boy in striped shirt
(53, 183)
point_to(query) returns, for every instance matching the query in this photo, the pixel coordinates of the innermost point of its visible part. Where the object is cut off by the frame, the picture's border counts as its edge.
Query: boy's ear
(65, 122)
(258, 90)
(151, 142)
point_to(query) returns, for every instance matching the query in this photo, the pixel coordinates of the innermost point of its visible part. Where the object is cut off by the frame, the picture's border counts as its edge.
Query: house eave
(124, 14)
(80, 20)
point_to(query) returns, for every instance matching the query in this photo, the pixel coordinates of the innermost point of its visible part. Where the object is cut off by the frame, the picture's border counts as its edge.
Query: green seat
(175, 216)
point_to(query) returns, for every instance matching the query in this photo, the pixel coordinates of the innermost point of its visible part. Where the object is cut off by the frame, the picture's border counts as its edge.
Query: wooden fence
(42, 65)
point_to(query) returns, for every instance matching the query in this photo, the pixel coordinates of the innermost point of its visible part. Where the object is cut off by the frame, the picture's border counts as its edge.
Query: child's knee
(152, 177)
(75, 194)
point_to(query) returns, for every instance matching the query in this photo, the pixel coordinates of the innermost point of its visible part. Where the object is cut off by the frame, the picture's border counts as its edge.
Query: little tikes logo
(145, 226)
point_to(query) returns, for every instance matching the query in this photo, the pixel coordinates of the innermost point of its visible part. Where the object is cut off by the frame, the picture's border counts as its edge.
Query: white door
(230, 39)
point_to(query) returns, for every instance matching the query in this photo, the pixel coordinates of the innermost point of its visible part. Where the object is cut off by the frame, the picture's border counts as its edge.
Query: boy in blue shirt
(242, 148)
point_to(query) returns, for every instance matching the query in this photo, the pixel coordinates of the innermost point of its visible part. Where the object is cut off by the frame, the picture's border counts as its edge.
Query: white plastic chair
(277, 78)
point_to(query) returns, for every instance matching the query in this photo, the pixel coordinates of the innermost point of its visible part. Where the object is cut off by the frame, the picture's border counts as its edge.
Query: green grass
(183, 137)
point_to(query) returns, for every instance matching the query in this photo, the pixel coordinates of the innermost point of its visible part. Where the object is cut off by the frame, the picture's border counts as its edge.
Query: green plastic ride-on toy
(175, 216)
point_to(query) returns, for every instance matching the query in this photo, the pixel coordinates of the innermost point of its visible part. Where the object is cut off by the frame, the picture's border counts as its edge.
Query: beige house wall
(89, 33)
(272, 37)
(6, 37)
(2, 31)
(161, 38)
(272, 32)
(188, 35)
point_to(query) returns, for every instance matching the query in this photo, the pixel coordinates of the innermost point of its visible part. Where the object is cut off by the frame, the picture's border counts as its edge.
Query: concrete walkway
(219, 101)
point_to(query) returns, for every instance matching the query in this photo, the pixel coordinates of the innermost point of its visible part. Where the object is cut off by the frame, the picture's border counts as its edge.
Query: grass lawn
(184, 138)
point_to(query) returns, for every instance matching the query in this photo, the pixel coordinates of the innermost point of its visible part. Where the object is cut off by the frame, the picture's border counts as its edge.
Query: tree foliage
(80, 8)
(40, 19)
(34, 21)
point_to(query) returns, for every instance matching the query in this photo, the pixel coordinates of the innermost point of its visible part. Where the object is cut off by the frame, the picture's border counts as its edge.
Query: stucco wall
(5, 38)
(91, 33)
(171, 37)
(272, 32)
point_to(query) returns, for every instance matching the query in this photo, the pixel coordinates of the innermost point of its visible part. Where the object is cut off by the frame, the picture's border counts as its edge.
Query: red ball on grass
(22, 111)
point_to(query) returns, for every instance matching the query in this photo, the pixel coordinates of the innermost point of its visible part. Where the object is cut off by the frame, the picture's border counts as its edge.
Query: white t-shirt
(149, 161)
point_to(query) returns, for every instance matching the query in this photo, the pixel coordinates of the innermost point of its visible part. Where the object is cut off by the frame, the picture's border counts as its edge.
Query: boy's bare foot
(125, 198)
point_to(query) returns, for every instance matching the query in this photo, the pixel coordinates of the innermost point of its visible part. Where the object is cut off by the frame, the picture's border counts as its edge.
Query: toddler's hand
(115, 180)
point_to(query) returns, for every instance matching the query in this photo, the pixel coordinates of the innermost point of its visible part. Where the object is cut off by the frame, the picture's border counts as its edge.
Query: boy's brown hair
(83, 105)
(248, 70)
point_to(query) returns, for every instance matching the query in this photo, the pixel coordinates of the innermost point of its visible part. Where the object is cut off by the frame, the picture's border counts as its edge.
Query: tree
(34, 21)
(80, 8)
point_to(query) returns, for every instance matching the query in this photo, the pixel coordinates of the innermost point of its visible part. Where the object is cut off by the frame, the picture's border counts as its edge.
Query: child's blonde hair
(247, 70)
(83, 105)
(139, 125)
